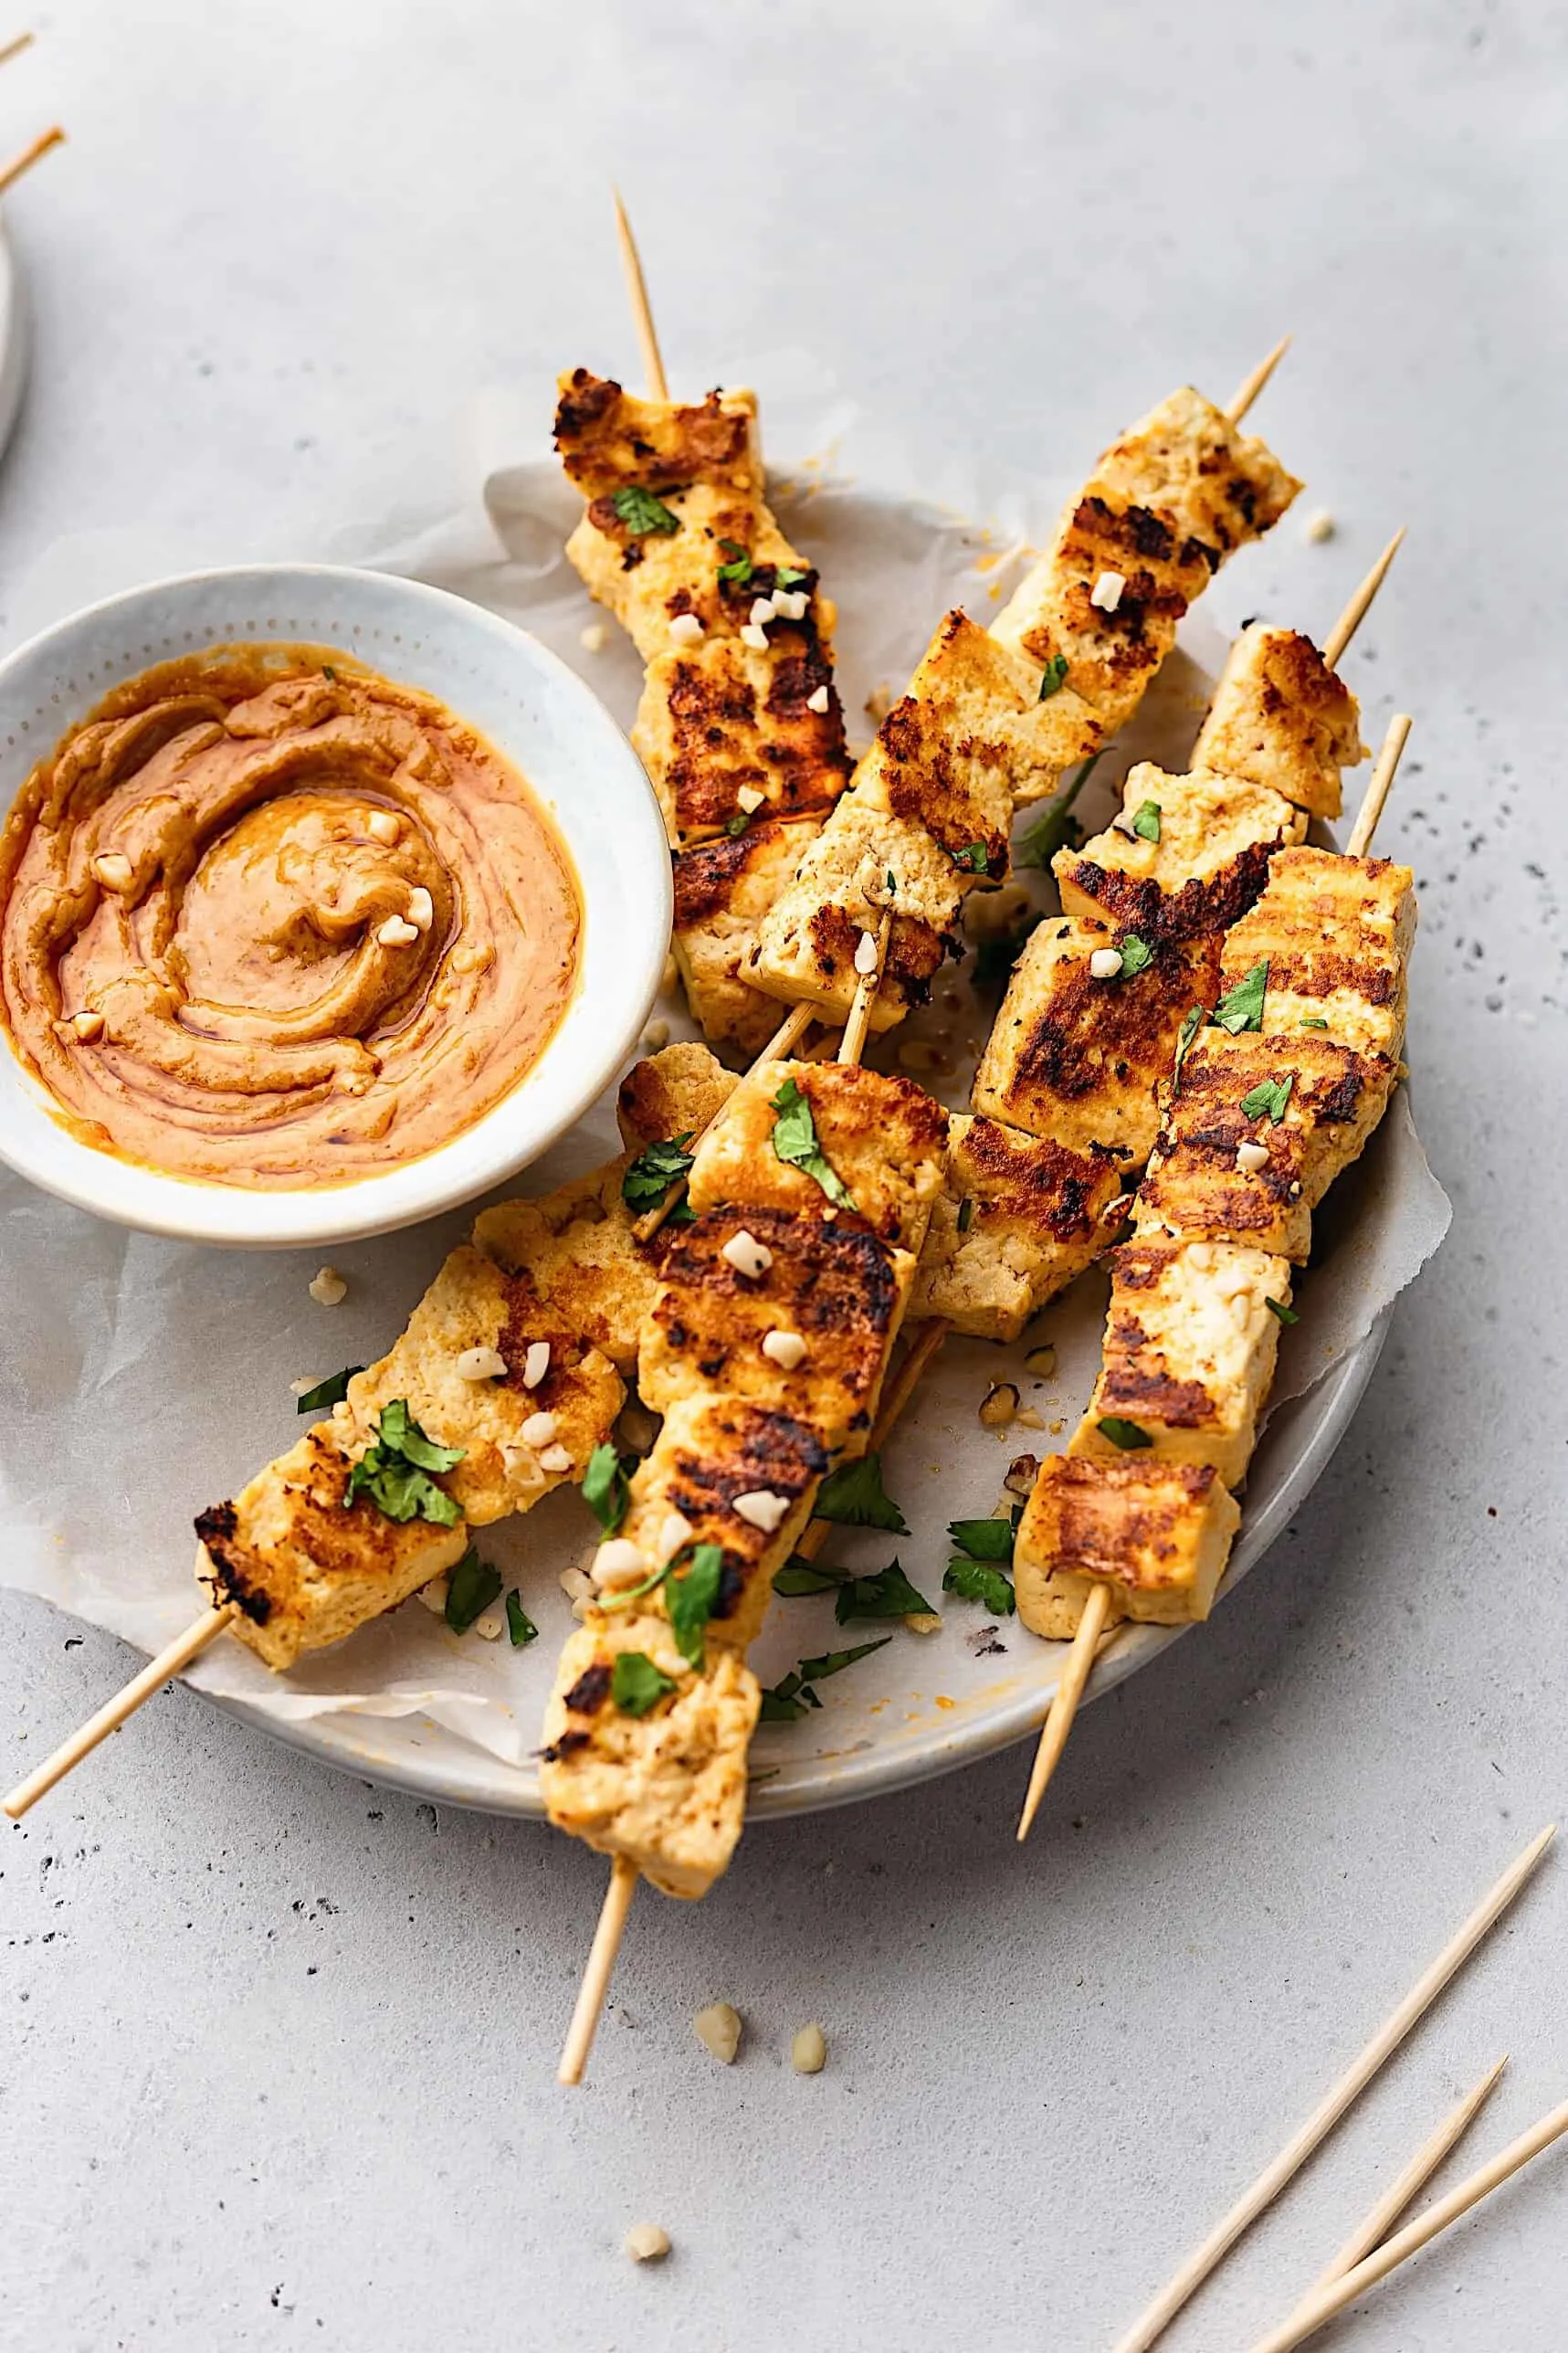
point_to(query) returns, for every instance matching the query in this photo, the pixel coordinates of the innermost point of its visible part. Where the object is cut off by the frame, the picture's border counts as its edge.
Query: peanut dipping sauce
(270, 919)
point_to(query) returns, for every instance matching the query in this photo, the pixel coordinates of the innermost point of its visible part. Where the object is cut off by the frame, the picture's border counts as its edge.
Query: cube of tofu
(1200, 874)
(575, 1249)
(1217, 485)
(647, 578)
(806, 942)
(668, 1789)
(835, 1288)
(723, 891)
(1060, 612)
(1158, 1533)
(719, 719)
(1190, 1345)
(883, 1137)
(710, 1453)
(1281, 717)
(673, 1093)
(1019, 1217)
(1337, 934)
(474, 1304)
(1195, 1190)
(608, 439)
(304, 1568)
(1081, 1060)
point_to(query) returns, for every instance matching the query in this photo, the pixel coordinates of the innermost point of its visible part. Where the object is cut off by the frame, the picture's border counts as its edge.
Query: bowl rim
(158, 1202)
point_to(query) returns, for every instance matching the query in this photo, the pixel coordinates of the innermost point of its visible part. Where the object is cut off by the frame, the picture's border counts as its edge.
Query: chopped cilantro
(604, 1487)
(984, 1539)
(1054, 676)
(691, 1598)
(799, 1576)
(738, 823)
(1191, 1022)
(328, 671)
(1241, 1007)
(982, 1581)
(853, 1496)
(328, 1393)
(1310, 1021)
(471, 1589)
(1056, 827)
(795, 1143)
(1137, 955)
(394, 1472)
(892, 884)
(1278, 1307)
(788, 1701)
(1146, 820)
(642, 512)
(655, 1170)
(739, 570)
(636, 1684)
(1268, 1098)
(965, 1214)
(975, 857)
(887, 1594)
(789, 575)
(1128, 1435)
(519, 1624)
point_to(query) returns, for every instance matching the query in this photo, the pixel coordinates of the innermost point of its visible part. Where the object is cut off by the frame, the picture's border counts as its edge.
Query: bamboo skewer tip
(14, 48)
(642, 310)
(1064, 1707)
(31, 154)
(595, 1985)
(1375, 2226)
(1247, 392)
(1376, 798)
(1361, 603)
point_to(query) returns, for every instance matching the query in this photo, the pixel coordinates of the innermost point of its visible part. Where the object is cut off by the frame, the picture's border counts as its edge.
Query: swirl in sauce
(270, 919)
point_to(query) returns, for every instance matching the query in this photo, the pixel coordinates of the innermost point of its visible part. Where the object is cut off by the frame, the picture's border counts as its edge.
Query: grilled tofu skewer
(1137, 1517)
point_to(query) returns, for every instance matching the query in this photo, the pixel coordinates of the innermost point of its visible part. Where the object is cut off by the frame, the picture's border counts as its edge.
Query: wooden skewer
(29, 156)
(1355, 612)
(595, 1985)
(779, 1046)
(1157, 2318)
(114, 1713)
(1377, 791)
(14, 48)
(642, 313)
(1372, 2230)
(1311, 2315)
(1248, 389)
(852, 1045)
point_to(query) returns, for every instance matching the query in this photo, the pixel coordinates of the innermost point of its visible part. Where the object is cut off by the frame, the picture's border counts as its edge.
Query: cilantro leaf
(1128, 1435)
(965, 1213)
(1056, 827)
(795, 1143)
(853, 1496)
(787, 575)
(739, 570)
(982, 1581)
(519, 1624)
(1146, 820)
(473, 1586)
(690, 1601)
(655, 1170)
(604, 1487)
(1191, 1022)
(1241, 1007)
(394, 1472)
(636, 1684)
(983, 1540)
(887, 1594)
(1268, 1098)
(737, 823)
(1053, 678)
(833, 1662)
(800, 1576)
(1137, 955)
(328, 671)
(328, 1393)
(1310, 1021)
(398, 1429)
(1278, 1307)
(642, 512)
(785, 1702)
(975, 857)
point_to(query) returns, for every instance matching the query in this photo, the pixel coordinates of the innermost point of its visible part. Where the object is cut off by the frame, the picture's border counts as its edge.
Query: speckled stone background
(277, 2048)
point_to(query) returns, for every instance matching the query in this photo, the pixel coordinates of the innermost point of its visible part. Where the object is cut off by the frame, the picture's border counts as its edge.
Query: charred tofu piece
(304, 1567)
(1105, 601)
(806, 942)
(1080, 1058)
(1190, 1345)
(1158, 1533)
(575, 1251)
(1219, 486)
(728, 730)
(1188, 855)
(1282, 718)
(608, 439)
(733, 1474)
(1336, 934)
(1227, 1170)
(883, 1138)
(517, 1441)
(649, 574)
(1018, 1219)
(723, 891)
(673, 1093)
(667, 1788)
(807, 1336)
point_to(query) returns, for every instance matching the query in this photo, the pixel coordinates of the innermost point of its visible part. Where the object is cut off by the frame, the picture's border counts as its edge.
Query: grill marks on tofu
(575, 1250)
(723, 891)
(1194, 1191)
(1337, 934)
(721, 718)
(1217, 485)
(837, 1286)
(608, 439)
(668, 1789)
(1081, 1060)
(1036, 1215)
(806, 944)
(304, 1570)
(1207, 869)
(1189, 1353)
(1282, 718)
(673, 1093)
(1158, 1533)
(884, 1137)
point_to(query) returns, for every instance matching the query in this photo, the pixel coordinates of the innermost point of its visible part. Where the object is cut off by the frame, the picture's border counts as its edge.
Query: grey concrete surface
(276, 2067)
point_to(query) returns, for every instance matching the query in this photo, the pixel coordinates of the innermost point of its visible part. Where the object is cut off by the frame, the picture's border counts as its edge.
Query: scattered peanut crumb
(487, 1625)
(647, 2243)
(999, 1406)
(656, 1037)
(1042, 1361)
(923, 1621)
(879, 703)
(718, 2029)
(1027, 1419)
(594, 638)
(328, 1288)
(808, 2051)
(1320, 525)
(434, 1597)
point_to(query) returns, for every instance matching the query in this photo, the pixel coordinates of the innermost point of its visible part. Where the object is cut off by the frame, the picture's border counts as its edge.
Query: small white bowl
(535, 712)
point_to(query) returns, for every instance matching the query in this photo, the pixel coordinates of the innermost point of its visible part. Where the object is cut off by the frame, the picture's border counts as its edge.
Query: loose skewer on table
(12, 172)
(15, 48)
(1374, 2227)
